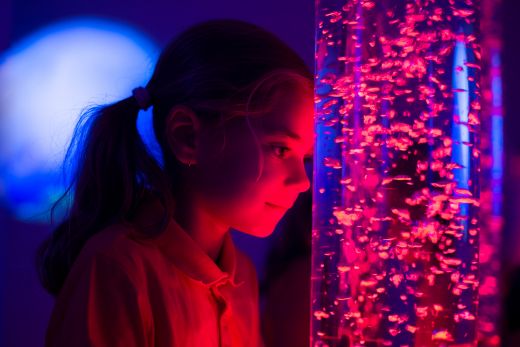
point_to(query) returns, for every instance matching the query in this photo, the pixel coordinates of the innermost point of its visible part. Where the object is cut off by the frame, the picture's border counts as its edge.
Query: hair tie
(142, 97)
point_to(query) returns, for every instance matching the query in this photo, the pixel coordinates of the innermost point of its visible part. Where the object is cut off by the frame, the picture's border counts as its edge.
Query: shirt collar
(182, 251)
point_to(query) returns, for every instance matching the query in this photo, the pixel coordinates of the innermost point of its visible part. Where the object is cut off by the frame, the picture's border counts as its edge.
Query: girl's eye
(279, 151)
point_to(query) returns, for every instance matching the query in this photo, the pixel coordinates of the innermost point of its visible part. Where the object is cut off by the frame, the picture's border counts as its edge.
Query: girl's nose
(299, 177)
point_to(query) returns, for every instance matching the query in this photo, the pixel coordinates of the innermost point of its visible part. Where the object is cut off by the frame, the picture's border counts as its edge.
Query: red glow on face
(259, 173)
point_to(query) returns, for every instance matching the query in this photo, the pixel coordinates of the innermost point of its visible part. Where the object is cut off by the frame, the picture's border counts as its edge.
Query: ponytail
(113, 170)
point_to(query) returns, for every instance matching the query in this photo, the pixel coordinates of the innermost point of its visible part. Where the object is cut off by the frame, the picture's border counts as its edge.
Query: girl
(144, 256)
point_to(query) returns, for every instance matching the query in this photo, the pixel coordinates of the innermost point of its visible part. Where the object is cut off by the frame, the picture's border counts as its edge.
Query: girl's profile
(144, 256)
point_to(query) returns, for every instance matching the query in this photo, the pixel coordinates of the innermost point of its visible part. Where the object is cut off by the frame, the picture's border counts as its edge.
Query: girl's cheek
(230, 171)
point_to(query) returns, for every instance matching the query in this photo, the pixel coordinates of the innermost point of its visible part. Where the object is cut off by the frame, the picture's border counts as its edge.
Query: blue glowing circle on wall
(46, 81)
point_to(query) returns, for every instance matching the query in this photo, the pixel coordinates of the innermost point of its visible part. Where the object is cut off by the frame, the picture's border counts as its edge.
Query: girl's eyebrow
(282, 130)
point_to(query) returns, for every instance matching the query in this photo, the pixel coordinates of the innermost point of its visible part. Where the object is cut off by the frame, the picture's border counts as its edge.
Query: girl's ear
(182, 132)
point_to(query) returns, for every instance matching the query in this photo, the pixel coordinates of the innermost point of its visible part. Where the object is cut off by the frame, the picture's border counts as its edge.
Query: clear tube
(396, 176)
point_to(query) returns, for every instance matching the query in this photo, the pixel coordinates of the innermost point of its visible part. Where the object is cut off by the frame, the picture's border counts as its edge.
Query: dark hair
(215, 68)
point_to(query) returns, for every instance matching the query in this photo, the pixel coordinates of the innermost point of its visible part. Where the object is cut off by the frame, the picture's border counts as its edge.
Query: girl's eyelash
(274, 147)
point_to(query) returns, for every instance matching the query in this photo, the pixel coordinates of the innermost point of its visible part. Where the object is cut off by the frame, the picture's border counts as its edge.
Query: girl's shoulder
(105, 292)
(119, 243)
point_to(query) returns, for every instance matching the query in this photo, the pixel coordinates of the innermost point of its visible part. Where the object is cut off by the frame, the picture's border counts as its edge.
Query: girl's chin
(261, 231)
(263, 223)
(261, 234)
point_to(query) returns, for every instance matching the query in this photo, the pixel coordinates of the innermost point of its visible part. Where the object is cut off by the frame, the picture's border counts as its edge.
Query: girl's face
(249, 185)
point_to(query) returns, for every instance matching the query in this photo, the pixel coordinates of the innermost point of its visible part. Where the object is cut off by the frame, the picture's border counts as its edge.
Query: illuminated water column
(396, 190)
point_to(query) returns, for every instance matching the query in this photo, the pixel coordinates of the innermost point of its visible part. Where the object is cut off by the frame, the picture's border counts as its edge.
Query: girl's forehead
(292, 114)
(296, 122)
(289, 114)
(281, 105)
